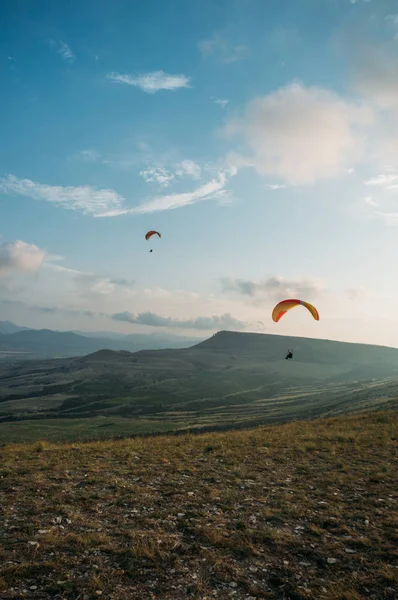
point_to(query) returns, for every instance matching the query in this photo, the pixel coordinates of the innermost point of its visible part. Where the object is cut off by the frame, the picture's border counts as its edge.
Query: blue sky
(258, 137)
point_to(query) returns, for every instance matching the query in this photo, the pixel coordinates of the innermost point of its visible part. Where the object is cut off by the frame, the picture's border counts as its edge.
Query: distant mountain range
(24, 342)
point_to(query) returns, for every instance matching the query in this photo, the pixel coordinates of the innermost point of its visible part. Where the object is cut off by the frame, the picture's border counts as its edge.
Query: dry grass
(303, 511)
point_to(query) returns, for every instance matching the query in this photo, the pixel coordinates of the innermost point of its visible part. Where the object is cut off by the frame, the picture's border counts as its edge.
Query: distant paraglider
(150, 234)
(282, 307)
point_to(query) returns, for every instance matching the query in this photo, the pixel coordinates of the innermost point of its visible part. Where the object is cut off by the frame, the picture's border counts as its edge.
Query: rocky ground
(303, 511)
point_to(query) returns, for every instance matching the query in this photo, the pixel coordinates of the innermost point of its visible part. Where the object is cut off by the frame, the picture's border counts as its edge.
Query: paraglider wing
(282, 307)
(151, 233)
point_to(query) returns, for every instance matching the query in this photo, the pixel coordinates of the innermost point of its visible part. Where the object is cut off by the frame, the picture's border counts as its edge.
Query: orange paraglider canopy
(151, 233)
(282, 307)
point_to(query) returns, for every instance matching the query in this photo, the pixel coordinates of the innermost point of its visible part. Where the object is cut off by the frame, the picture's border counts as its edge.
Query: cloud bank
(150, 319)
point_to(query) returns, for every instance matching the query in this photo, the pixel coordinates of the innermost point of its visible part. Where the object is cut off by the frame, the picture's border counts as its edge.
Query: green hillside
(229, 380)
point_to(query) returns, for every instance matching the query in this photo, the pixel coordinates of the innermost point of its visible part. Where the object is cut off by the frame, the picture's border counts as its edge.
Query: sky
(259, 138)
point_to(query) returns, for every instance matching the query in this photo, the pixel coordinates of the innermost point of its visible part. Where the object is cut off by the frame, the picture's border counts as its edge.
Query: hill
(229, 380)
(302, 511)
(8, 327)
(45, 343)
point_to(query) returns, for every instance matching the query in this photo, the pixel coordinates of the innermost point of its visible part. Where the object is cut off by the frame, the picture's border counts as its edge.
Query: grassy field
(300, 511)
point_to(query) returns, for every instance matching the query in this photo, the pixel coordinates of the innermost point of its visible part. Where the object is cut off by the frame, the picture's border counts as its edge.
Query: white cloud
(189, 168)
(222, 49)
(86, 199)
(387, 181)
(20, 256)
(275, 288)
(301, 134)
(157, 175)
(152, 82)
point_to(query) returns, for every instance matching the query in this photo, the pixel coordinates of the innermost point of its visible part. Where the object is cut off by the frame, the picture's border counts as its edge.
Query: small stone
(33, 587)
(349, 551)
(180, 514)
(233, 584)
(332, 561)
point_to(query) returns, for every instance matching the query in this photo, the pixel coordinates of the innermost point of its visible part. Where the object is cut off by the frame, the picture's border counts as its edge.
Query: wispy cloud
(157, 175)
(63, 50)
(20, 256)
(275, 287)
(152, 82)
(164, 177)
(275, 186)
(208, 191)
(221, 102)
(87, 155)
(86, 199)
(219, 47)
(108, 203)
(214, 189)
(150, 319)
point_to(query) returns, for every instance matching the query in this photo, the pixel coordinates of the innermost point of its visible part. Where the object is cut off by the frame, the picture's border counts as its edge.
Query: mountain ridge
(48, 343)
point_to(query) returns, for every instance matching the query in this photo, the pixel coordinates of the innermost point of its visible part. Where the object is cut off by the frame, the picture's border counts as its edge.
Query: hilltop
(302, 511)
(230, 380)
